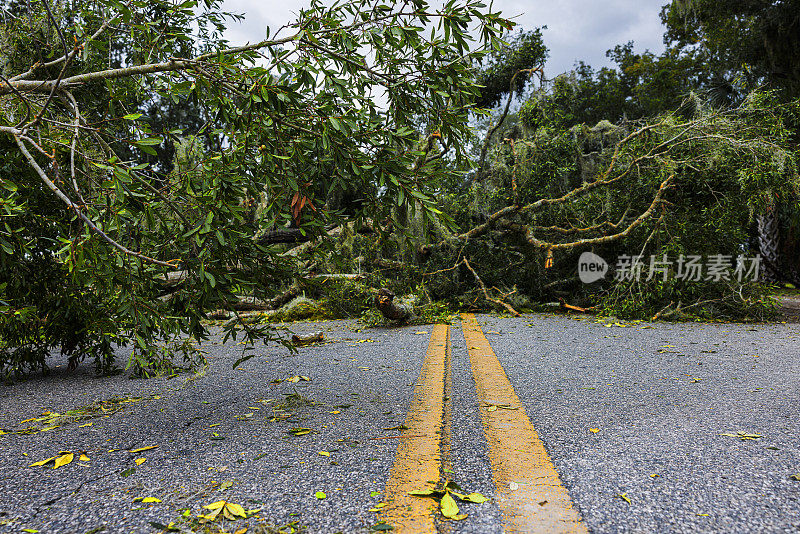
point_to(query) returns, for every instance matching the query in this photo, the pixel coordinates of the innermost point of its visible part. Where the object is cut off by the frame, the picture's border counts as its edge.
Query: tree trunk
(384, 302)
(769, 243)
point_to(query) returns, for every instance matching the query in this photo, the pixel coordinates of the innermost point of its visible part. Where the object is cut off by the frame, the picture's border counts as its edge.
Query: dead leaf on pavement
(491, 407)
(64, 459)
(623, 496)
(147, 499)
(228, 510)
(142, 449)
(42, 462)
(744, 436)
(298, 378)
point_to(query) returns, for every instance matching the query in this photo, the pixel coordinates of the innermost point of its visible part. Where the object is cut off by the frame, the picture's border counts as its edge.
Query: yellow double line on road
(528, 489)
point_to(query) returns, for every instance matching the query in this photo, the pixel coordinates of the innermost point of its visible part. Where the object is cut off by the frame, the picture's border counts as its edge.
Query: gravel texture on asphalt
(214, 430)
(659, 396)
(469, 453)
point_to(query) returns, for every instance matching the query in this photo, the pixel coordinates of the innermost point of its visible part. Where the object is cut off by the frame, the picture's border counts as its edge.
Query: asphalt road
(635, 411)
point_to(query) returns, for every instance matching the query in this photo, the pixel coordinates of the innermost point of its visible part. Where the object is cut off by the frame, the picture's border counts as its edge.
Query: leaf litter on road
(63, 458)
(447, 504)
(228, 510)
(744, 436)
(623, 496)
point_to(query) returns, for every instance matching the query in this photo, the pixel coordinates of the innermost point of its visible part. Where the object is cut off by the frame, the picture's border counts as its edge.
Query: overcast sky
(576, 29)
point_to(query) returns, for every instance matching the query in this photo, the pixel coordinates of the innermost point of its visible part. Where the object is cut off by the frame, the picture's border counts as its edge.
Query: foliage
(523, 50)
(140, 253)
(641, 85)
(749, 42)
(567, 190)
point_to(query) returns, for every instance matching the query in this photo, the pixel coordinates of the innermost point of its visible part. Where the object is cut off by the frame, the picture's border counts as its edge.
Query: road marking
(419, 460)
(529, 492)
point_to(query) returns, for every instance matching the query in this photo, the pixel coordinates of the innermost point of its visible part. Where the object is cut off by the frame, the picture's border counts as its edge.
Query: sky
(576, 29)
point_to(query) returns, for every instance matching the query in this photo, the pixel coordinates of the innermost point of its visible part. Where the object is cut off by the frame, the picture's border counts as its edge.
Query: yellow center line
(529, 491)
(419, 459)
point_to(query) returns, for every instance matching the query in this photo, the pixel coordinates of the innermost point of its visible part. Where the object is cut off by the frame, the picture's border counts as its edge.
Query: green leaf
(320, 495)
(128, 472)
(149, 141)
(9, 186)
(449, 508)
(132, 116)
(473, 497)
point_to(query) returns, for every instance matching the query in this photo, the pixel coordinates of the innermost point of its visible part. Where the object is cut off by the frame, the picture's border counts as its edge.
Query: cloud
(576, 29)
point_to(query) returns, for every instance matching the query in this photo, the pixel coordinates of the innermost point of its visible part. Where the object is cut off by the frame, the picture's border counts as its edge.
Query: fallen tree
(130, 155)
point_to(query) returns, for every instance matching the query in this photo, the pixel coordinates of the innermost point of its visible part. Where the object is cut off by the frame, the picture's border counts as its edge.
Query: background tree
(749, 44)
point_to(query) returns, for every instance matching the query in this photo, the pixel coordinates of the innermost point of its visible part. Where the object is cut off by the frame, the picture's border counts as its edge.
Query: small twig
(508, 307)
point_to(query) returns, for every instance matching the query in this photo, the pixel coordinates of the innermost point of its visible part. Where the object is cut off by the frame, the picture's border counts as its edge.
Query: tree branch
(54, 188)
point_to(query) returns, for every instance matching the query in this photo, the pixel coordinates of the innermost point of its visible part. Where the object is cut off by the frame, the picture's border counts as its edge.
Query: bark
(565, 306)
(305, 339)
(384, 301)
(769, 244)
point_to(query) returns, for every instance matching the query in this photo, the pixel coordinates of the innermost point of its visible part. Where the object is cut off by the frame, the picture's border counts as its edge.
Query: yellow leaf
(475, 497)
(214, 505)
(42, 462)
(144, 448)
(84, 458)
(213, 515)
(151, 499)
(87, 424)
(241, 530)
(235, 509)
(63, 460)
(334, 412)
(324, 453)
(228, 514)
(140, 461)
(594, 430)
(448, 506)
